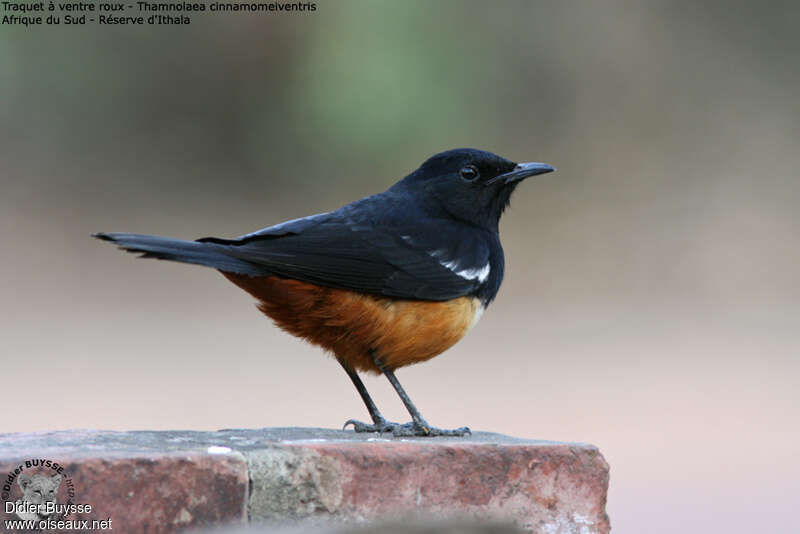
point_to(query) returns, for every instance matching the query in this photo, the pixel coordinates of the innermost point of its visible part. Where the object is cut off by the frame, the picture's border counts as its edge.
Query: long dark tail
(202, 253)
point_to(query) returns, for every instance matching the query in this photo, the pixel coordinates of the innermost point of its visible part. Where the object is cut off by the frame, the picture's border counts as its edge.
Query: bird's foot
(379, 425)
(411, 429)
(421, 428)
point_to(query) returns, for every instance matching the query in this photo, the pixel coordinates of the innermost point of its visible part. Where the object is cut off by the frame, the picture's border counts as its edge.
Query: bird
(390, 280)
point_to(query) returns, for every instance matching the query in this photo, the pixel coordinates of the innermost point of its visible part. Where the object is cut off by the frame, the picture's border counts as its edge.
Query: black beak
(522, 171)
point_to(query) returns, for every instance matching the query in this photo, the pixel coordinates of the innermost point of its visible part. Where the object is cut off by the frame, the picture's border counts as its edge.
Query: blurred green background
(651, 298)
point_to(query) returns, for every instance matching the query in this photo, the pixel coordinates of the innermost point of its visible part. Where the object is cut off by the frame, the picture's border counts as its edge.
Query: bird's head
(471, 185)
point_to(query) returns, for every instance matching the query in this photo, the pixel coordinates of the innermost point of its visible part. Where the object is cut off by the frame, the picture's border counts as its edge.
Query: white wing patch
(471, 274)
(480, 274)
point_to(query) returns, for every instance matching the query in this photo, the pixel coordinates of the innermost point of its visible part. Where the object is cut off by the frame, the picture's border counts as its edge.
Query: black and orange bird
(390, 280)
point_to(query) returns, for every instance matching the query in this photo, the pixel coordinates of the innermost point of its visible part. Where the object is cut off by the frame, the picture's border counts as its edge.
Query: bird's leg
(418, 426)
(380, 424)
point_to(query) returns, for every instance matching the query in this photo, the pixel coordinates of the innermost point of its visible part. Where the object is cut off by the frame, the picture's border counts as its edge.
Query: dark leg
(417, 427)
(380, 424)
(362, 390)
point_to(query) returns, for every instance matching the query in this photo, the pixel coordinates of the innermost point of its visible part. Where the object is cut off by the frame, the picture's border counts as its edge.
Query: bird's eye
(469, 173)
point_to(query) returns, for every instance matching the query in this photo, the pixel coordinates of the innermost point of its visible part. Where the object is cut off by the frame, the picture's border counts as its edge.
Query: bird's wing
(429, 260)
(295, 226)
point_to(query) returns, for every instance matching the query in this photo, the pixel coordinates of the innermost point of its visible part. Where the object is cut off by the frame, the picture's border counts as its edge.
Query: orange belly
(351, 325)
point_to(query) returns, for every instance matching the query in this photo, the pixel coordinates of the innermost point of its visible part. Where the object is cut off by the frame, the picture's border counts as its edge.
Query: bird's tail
(201, 253)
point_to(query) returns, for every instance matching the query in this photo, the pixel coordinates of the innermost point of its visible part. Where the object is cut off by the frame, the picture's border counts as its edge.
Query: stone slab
(168, 481)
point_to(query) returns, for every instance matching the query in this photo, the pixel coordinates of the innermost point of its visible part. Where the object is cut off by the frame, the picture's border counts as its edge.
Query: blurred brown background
(651, 299)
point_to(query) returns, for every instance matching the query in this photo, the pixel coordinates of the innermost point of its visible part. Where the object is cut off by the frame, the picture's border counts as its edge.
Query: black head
(471, 185)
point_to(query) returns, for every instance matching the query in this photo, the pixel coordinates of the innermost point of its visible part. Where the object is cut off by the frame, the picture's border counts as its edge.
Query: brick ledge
(168, 481)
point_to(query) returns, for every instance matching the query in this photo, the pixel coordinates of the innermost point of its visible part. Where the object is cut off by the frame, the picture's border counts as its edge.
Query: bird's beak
(522, 171)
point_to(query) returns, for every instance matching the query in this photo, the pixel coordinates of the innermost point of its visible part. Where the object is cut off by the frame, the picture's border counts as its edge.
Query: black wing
(429, 260)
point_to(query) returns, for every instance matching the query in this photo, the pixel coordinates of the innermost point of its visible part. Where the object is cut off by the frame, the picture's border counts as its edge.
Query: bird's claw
(422, 429)
(410, 429)
(380, 427)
